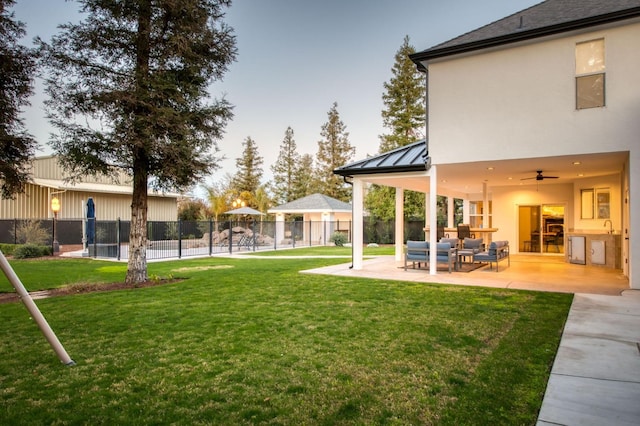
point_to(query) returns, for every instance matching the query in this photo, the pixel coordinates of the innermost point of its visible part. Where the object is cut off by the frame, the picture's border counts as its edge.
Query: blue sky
(297, 57)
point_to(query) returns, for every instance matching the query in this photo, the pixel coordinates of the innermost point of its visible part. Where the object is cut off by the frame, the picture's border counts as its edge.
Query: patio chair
(441, 234)
(464, 231)
(416, 251)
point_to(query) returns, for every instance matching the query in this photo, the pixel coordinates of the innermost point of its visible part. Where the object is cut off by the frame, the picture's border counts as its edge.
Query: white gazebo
(322, 216)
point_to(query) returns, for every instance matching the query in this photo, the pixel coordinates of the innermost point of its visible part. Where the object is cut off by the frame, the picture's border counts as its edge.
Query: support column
(450, 208)
(279, 235)
(433, 219)
(399, 231)
(358, 214)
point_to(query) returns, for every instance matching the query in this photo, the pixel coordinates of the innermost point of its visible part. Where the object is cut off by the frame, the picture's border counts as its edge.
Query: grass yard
(327, 251)
(253, 341)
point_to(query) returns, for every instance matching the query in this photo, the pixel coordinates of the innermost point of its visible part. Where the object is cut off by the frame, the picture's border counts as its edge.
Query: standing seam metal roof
(412, 157)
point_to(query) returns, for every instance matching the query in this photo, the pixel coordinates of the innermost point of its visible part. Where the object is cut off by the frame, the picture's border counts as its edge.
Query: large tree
(248, 169)
(305, 181)
(404, 111)
(334, 150)
(404, 116)
(17, 68)
(284, 169)
(128, 90)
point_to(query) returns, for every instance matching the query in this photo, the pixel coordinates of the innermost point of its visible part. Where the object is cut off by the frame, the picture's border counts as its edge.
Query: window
(590, 74)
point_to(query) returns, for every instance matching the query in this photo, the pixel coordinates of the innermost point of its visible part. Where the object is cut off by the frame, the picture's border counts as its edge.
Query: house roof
(96, 187)
(313, 203)
(412, 157)
(544, 19)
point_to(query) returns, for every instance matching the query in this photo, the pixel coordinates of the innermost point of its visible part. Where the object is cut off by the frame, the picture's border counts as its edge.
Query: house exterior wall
(518, 101)
(524, 97)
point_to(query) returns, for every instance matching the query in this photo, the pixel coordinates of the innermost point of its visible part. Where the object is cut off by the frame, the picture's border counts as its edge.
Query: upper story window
(590, 74)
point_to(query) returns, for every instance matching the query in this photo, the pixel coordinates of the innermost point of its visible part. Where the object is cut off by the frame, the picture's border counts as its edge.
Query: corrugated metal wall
(34, 204)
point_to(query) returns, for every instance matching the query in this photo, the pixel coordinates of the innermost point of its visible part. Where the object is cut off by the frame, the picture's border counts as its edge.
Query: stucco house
(323, 215)
(533, 121)
(112, 200)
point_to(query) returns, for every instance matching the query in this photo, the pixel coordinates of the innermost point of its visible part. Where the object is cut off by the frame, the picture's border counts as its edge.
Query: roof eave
(420, 57)
(380, 170)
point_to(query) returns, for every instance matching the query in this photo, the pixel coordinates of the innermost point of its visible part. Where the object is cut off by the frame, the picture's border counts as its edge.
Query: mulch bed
(85, 288)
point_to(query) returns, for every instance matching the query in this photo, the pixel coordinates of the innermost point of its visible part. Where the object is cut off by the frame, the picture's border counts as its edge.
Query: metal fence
(196, 238)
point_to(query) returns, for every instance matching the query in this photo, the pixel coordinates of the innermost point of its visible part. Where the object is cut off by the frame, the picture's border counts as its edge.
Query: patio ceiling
(467, 178)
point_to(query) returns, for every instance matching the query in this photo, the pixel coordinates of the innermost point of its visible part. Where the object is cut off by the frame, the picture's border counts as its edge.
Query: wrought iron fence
(177, 239)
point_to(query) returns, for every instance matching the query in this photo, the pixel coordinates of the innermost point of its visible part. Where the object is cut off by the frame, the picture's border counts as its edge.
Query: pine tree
(249, 169)
(17, 68)
(404, 114)
(128, 90)
(334, 150)
(284, 169)
(304, 180)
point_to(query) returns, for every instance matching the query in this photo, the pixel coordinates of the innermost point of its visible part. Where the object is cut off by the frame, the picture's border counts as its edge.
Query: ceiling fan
(540, 176)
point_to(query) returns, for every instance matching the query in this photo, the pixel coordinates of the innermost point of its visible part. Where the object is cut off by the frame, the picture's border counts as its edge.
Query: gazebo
(322, 216)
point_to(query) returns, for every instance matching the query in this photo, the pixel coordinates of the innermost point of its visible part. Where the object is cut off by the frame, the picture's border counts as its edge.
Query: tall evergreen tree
(305, 181)
(128, 90)
(248, 169)
(284, 169)
(17, 68)
(334, 150)
(404, 113)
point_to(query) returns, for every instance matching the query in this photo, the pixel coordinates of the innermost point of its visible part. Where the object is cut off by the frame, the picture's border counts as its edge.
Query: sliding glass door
(541, 228)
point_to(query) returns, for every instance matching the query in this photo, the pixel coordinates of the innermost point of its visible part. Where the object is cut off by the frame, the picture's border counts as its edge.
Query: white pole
(34, 311)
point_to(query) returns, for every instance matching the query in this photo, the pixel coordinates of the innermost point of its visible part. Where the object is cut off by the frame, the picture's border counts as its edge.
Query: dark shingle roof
(313, 202)
(412, 157)
(547, 18)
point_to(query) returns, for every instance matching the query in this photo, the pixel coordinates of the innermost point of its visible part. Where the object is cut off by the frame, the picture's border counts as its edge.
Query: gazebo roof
(313, 203)
(408, 158)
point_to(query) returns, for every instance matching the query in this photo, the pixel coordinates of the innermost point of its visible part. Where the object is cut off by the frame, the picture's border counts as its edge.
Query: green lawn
(253, 341)
(326, 251)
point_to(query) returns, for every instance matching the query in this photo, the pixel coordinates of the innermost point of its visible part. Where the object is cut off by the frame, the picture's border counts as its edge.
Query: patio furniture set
(454, 252)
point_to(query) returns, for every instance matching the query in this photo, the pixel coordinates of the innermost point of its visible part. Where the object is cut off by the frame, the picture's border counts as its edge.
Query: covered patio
(526, 272)
(506, 188)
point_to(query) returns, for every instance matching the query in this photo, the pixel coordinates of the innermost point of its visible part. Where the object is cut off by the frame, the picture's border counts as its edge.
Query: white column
(399, 224)
(485, 213)
(279, 228)
(466, 205)
(358, 214)
(450, 208)
(433, 219)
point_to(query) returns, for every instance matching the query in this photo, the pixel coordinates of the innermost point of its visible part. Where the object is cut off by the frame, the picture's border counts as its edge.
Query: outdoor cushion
(452, 241)
(474, 244)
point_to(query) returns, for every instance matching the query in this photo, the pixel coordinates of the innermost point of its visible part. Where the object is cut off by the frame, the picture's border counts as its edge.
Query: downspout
(344, 178)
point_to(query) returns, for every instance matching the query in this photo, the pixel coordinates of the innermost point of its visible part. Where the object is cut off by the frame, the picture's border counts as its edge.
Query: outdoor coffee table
(464, 253)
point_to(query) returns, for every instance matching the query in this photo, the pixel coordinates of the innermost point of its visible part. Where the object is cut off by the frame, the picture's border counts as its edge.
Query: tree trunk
(137, 267)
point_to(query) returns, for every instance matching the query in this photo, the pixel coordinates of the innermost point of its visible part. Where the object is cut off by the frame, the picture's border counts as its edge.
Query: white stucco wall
(525, 97)
(519, 102)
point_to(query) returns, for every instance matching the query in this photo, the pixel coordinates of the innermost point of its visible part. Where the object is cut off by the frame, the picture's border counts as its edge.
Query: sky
(295, 59)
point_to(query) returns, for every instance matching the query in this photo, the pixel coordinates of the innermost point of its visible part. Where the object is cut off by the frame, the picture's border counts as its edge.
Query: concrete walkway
(595, 378)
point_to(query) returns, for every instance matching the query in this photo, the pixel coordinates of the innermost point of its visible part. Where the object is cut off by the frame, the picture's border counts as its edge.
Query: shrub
(31, 250)
(31, 232)
(339, 239)
(8, 249)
